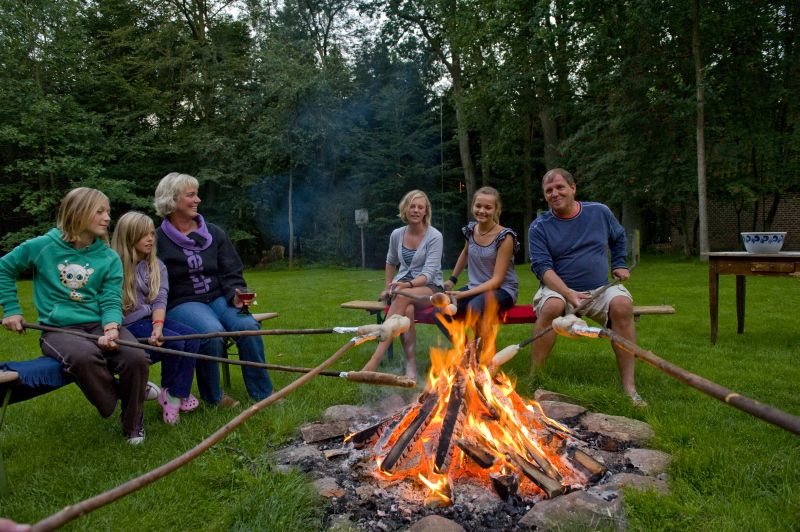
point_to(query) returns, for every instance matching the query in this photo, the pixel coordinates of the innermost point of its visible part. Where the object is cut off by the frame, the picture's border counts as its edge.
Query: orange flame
(495, 419)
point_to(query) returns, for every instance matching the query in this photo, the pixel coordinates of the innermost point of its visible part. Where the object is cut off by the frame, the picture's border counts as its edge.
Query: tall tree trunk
(463, 131)
(529, 184)
(701, 140)
(486, 167)
(291, 216)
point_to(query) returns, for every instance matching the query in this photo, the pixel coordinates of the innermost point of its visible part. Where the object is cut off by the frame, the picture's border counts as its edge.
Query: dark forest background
(295, 113)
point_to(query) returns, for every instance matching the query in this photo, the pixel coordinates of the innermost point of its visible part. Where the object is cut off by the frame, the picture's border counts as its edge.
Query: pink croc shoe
(189, 404)
(171, 413)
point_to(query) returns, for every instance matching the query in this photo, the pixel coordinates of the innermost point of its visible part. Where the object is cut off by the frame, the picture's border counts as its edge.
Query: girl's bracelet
(155, 322)
(453, 279)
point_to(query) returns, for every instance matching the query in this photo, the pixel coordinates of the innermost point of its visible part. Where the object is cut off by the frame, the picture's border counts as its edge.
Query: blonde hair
(405, 203)
(132, 227)
(490, 191)
(169, 188)
(77, 210)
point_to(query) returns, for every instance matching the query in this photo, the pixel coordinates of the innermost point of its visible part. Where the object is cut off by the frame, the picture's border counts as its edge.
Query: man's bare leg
(540, 349)
(620, 313)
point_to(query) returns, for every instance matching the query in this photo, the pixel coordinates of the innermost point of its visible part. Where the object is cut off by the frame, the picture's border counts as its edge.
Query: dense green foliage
(293, 114)
(730, 471)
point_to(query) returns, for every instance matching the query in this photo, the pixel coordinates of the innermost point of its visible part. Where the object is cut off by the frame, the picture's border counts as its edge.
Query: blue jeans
(177, 372)
(477, 306)
(218, 316)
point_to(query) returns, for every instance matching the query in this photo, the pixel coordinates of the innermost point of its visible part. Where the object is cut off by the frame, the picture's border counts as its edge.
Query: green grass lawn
(730, 471)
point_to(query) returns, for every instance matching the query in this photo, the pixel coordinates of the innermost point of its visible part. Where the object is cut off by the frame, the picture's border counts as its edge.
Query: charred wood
(477, 452)
(411, 432)
(595, 468)
(550, 487)
(451, 420)
(505, 485)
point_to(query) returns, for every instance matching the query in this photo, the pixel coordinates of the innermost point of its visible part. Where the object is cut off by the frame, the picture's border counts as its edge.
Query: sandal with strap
(189, 404)
(171, 413)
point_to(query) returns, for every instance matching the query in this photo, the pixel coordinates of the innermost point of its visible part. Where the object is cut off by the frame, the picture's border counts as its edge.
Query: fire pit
(471, 449)
(471, 425)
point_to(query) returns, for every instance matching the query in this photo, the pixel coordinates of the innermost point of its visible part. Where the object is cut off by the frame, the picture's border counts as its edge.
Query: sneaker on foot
(137, 436)
(226, 402)
(151, 391)
(637, 400)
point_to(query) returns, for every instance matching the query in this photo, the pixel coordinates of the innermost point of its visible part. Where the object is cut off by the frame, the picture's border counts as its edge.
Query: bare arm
(504, 253)
(554, 282)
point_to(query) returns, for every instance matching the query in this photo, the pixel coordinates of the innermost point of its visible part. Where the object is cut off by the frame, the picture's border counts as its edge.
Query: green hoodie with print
(70, 286)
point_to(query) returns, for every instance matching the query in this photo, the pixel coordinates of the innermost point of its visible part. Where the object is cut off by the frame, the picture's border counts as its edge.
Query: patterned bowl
(763, 242)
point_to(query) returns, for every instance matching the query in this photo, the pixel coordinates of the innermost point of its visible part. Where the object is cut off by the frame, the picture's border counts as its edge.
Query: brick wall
(724, 224)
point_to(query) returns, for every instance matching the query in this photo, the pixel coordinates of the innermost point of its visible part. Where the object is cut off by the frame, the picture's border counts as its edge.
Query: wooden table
(740, 263)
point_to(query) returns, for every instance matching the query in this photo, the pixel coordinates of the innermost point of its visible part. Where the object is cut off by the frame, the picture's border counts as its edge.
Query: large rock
(559, 411)
(391, 403)
(314, 432)
(299, 454)
(578, 510)
(347, 413)
(435, 523)
(648, 461)
(617, 431)
(545, 395)
(328, 487)
(639, 483)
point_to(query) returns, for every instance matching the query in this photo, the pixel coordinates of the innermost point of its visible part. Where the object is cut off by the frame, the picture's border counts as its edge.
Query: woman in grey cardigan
(413, 265)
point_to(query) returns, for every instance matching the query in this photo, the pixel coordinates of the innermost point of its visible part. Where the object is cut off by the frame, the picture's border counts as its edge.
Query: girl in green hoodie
(77, 284)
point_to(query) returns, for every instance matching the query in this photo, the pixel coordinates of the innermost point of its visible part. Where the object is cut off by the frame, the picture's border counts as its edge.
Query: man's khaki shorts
(598, 308)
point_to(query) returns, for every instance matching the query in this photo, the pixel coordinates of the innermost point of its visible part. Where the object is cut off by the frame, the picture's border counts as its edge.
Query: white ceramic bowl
(763, 242)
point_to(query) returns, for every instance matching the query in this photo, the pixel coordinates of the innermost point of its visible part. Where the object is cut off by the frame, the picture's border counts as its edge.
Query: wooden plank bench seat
(516, 315)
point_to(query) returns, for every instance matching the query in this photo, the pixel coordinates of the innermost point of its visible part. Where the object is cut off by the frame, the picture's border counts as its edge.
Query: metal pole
(363, 259)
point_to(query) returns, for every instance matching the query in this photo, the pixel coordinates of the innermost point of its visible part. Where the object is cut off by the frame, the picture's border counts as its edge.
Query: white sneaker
(151, 391)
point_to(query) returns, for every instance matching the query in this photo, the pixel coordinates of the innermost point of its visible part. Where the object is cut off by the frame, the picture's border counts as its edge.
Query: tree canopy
(293, 114)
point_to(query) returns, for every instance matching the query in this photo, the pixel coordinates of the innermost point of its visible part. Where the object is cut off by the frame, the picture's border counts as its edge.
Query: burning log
(505, 484)
(452, 417)
(550, 487)
(410, 434)
(477, 452)
(594, 467)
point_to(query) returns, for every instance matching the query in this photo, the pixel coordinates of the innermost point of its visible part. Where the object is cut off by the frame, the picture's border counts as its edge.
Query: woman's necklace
(488, 230)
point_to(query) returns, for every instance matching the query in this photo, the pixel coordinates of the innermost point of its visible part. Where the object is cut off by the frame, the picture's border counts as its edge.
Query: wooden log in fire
(595, 468)
(550, 487)
(452, 419)
(504, 484)
(477, 452)
(410, 434)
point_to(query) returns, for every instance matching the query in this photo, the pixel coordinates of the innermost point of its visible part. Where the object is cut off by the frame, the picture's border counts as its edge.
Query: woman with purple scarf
(205, 274)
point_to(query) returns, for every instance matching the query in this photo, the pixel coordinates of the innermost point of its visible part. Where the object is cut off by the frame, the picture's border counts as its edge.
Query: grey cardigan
(427, 260)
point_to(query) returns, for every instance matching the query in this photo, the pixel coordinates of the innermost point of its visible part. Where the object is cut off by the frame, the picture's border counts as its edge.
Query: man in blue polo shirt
(569, 246)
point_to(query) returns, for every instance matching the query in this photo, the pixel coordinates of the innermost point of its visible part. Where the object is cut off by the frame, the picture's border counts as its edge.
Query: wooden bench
(516, 315)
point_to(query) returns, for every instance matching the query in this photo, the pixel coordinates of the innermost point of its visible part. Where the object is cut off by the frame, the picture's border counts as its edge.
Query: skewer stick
(755, 408)
(74, 511)
(366, 377)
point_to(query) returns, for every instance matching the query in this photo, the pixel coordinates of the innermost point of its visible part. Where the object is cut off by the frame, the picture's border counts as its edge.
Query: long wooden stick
(236, 334)
(365, 377)
(74, 511)
(751, 406)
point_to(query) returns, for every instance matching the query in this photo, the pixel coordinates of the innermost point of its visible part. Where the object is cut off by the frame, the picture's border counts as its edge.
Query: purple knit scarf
(198, 240)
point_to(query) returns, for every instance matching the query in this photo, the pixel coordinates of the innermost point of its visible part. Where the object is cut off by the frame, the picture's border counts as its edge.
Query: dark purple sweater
(202, 265)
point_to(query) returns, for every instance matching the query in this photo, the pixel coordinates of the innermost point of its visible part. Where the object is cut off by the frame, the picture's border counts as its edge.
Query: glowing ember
(470, 424)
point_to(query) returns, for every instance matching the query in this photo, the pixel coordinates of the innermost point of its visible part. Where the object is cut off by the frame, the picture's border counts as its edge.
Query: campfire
(469, 425)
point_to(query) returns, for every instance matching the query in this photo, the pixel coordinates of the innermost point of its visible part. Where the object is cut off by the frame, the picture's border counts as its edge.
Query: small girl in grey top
(489, 257)
(413, 265)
